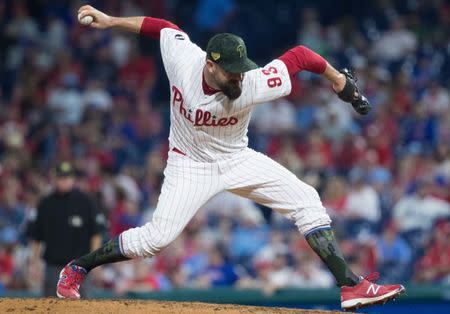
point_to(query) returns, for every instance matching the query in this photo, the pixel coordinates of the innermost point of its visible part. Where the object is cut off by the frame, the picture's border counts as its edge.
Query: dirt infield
(52, 305)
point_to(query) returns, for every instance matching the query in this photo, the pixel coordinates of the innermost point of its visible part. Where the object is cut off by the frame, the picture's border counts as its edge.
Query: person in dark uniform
(67, 224)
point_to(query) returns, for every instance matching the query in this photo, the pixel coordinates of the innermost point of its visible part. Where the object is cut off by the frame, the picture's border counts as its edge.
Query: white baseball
(86, 20)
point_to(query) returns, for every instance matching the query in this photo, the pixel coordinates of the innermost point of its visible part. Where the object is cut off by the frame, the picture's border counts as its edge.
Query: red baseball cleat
(367, 293)
(70, 279)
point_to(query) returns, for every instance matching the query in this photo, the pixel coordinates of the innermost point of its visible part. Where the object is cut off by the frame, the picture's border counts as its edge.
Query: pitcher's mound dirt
(53, 305)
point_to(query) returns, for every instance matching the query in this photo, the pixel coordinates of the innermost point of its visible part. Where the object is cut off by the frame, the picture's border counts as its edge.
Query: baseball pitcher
(212, 95)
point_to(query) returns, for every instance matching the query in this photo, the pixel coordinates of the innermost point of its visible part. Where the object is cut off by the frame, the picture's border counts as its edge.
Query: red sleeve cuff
(301, 58)
(152, 27)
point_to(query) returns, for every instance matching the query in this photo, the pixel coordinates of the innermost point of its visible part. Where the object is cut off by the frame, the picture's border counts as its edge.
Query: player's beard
(232, 89)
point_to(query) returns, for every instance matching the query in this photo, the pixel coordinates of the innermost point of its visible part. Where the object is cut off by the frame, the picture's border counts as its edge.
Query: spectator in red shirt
(318, 154)
(6, 266)
(435, 264)
(335, 197)
(7, 239)
(125, 214)
(139, 72)
(117, 211)
(141, 280)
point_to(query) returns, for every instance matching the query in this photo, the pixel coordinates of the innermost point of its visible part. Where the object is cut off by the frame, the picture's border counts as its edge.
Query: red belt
(176, 150)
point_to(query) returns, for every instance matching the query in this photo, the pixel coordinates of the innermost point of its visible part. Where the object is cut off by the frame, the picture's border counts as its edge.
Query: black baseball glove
(351, 93)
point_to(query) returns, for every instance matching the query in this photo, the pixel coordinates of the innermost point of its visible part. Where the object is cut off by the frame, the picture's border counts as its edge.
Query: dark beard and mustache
(231, 89)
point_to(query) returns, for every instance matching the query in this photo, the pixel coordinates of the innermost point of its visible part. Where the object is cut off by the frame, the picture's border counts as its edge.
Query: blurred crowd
(100, 100)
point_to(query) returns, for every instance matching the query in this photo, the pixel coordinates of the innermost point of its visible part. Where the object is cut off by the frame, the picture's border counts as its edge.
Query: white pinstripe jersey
(211, 127)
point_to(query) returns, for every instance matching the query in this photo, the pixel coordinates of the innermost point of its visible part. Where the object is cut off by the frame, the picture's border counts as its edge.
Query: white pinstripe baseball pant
(189, 184)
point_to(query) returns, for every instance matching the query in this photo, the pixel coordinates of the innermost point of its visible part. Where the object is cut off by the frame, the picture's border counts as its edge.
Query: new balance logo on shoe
(373, 288)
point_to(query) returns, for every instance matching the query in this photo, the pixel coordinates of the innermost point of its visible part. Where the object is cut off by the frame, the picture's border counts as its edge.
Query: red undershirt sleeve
(301, 58)
(152, 27)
